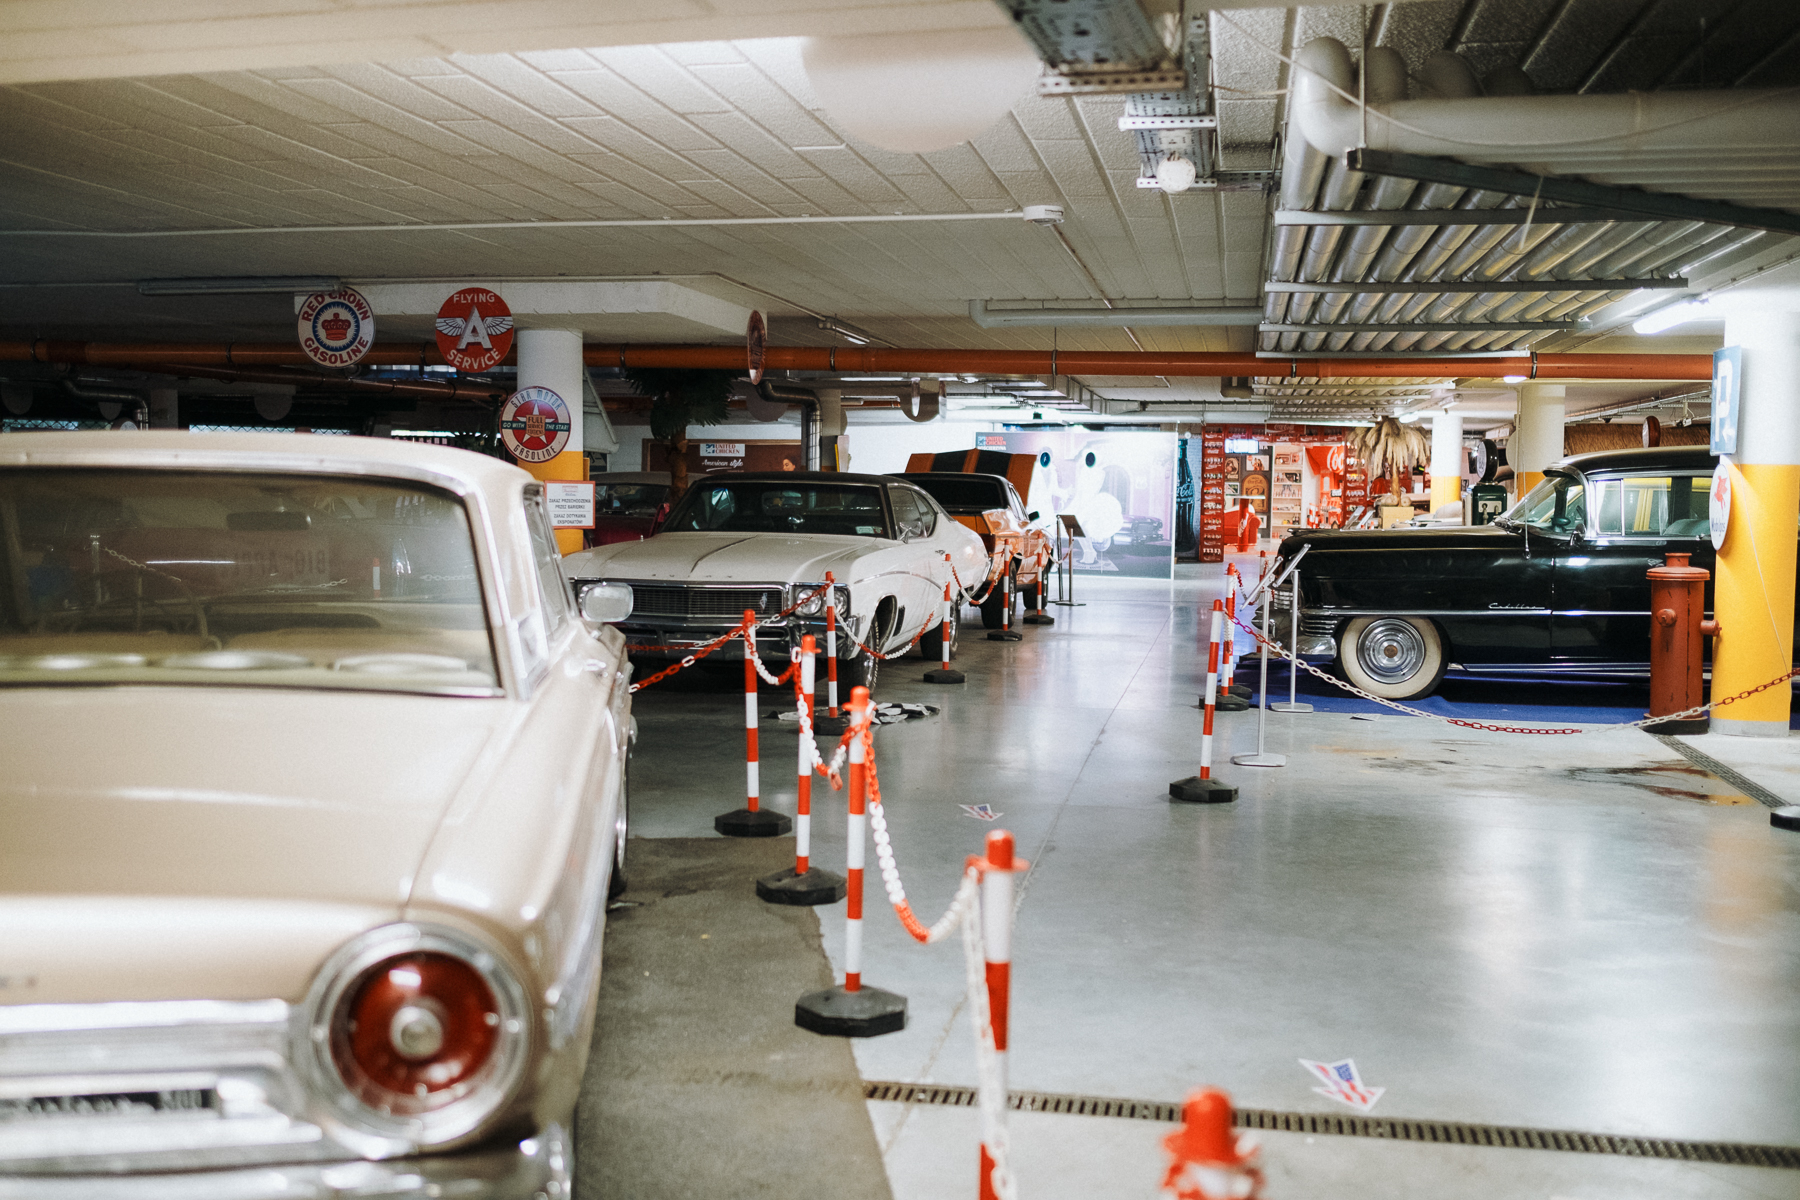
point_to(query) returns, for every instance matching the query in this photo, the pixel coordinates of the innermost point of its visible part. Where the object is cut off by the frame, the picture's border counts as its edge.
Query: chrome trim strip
(1423, 612)
(137, 1014)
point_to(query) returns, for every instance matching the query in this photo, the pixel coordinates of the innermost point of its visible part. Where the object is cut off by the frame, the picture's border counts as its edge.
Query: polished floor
(1574, 932)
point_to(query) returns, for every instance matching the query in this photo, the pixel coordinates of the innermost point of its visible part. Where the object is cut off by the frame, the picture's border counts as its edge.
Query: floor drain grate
(1396, 1129)
(1720, 771)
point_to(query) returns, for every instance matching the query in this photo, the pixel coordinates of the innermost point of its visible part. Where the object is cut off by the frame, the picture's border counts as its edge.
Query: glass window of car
(967, 494)
(629, 499)
(909, 522)
(1656, 506)
(1557, 505)
(239, 577)
(551, 583)
(779, 506)
(1013, 502)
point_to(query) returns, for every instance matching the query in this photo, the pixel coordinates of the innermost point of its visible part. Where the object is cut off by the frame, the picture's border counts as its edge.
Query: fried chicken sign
(474, 330)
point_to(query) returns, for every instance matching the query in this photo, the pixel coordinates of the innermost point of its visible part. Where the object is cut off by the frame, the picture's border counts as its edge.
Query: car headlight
(814, 603)
(603, 603)
(415, 1034)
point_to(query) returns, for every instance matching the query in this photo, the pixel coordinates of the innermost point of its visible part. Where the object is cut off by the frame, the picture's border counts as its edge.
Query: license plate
(110, 1104)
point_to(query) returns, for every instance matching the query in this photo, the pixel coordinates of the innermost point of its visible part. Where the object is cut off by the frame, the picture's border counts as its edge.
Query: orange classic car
(990, 505)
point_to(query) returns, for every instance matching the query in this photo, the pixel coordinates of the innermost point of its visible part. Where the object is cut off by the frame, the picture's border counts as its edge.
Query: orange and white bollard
(831, 696)
(803, 884)
(751, 820)
(996, 940)
(1203, 788)
(1231, 698)
(853, 1010)
(1207, 1161)
(1006, 633)
(944, 672)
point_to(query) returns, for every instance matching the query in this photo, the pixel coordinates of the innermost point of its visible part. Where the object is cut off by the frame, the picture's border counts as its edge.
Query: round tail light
(413, 1032)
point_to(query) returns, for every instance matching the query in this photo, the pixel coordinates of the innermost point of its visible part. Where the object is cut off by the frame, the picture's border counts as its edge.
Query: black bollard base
(1231, 702)
(1006, 635)
(829, 726)
(944, 675)
(1195, 790)
(1241, 692)
(868, 1012)
(1694, 725)
(814, 887)
(744, 823)
(1787, 817)
(1039, 618)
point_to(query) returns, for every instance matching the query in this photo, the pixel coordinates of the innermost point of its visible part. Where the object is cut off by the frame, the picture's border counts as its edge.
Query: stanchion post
(996, 939)
(853, 1010)
(1006, 633)
(944, 673)
(831, 657)
(1261, 758)
(1203, 788)
(803, 884)
(1230, 698)
(751, 820)
(1041, 614)
(1293, 704)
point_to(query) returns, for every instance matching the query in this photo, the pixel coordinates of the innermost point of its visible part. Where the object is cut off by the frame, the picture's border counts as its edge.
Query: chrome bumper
(1313, 643)
(778, 640)
(540, 1167)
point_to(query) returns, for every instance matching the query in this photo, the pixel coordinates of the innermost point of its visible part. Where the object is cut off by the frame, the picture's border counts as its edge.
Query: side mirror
(605, 603)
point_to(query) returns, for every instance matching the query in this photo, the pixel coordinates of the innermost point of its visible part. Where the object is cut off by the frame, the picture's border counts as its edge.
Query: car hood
(725, 557)
(213, 841)
(1449, 537)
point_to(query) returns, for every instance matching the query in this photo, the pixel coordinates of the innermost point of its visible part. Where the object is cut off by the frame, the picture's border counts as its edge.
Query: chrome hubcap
(1391, 651)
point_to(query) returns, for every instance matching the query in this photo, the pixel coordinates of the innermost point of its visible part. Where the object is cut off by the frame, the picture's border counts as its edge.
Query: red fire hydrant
(1678, 626)
(1206, 1160)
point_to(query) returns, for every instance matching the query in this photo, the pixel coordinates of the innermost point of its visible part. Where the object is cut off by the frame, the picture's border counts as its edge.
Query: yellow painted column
(1446, 459)
(1537, 439)
(551, 358)
(1754, 593)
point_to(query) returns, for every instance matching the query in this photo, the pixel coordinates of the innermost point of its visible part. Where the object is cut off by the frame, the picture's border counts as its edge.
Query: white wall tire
(1396, 658)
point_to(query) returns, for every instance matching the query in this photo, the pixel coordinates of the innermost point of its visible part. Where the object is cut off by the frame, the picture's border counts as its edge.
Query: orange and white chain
(741, 629)
(1684, 715)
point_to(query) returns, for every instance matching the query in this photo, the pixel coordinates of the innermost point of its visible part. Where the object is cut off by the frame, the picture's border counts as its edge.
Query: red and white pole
(1203, 788)
(803, 785)
(751, 784)
(996, 938)
(831, 704)
(857, 784)
(1231, 591)
(948, 567)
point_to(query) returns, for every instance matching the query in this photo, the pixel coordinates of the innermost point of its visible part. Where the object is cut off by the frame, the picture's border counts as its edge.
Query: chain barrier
(1685, 714)
(743, 629)
(992, 583)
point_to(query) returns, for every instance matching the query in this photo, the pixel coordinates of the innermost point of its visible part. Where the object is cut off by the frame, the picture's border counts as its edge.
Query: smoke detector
(1044, 214)
(1176, 174)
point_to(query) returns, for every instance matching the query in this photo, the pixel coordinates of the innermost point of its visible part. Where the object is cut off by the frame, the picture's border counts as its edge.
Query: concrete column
(1754, 595)
(551, 358)
(1446, 459)
(165, 408)
(1537, 439)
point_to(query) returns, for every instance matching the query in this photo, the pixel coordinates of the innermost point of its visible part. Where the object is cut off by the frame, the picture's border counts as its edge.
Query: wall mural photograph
(1120, 487)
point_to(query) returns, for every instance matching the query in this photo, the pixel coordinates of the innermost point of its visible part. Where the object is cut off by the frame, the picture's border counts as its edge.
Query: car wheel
(1396, 658)
(863, 668)
(615, 886)
(931, 644)
(993, 609)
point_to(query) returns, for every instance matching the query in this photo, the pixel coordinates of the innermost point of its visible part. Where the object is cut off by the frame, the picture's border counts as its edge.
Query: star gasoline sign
(534, 424)
(474, 329)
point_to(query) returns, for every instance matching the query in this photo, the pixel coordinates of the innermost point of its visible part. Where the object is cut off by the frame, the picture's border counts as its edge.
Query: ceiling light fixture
(1176, 174)
(1671, 315)
(850, 333)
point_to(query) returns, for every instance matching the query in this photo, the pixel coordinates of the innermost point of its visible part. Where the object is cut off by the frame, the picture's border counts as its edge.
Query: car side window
(1653, 506)
(1013, 502)
(553, 588)
(928, 512)
(907, 519)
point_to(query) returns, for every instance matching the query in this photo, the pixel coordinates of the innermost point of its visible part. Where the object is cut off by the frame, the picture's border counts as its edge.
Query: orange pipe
(874, 359)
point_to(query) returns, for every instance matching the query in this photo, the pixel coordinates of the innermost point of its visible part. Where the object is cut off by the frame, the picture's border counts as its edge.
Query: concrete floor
(1578, 933)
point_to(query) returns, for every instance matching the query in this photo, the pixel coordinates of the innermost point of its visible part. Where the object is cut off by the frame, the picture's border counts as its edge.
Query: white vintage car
(764, 541)
(314, 785)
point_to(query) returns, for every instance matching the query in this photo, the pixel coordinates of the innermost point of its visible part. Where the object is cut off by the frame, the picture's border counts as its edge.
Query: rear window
(238, 578)
(972, 494)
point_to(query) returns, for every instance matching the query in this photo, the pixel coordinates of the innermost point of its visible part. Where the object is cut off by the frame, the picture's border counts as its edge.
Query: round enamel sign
(474, 329)
(336, 328)
(1718, 505)
(534, 425)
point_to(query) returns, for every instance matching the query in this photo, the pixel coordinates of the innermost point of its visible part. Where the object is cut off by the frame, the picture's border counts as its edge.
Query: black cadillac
(1554, 588)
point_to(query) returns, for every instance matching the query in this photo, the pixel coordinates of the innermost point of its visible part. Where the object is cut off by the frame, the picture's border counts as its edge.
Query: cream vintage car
(764, 542)
(314, 784)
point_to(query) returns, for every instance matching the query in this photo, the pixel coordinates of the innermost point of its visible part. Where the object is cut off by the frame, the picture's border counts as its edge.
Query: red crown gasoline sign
(474, 329)
(336, 328)
(534, 424)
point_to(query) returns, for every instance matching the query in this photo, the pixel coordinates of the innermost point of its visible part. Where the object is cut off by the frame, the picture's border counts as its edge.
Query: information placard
(571, 504)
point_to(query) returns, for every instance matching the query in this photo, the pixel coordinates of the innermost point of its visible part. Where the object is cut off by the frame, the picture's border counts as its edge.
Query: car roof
(1677, 458)
(792, 477)
(920, 475)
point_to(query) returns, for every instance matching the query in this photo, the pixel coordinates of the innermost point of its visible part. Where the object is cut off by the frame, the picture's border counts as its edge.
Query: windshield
(1557, 505)
(629, 499)
(771, 506)
(969, 494)
(207, 577)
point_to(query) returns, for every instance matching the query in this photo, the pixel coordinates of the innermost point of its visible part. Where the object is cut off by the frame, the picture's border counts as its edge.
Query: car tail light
(413, 1032)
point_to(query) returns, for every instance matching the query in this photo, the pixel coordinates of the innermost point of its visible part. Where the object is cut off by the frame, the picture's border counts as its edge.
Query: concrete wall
(878, 446)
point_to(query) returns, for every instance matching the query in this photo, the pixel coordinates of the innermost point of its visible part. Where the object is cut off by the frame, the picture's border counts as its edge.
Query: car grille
(1319, 624)
(677, 601)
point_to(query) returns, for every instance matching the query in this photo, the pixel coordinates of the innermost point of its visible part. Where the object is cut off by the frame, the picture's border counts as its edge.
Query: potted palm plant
(678, 399)
(1391, 449)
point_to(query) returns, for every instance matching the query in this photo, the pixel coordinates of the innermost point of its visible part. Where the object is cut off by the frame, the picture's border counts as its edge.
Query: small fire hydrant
(1207, 1160)
(1678, 627)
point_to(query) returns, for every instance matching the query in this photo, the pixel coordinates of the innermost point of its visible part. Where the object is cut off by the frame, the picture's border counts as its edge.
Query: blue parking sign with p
(1728, 373)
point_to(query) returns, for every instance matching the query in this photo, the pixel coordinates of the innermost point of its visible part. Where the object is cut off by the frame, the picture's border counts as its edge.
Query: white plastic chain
(755, 658)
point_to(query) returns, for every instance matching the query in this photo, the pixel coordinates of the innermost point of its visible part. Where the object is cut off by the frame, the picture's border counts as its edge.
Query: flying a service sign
(336, 328)
(474, 329)
(534, 424)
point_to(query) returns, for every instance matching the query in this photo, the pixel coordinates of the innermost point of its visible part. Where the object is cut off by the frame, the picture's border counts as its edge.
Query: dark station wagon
(1555, 588)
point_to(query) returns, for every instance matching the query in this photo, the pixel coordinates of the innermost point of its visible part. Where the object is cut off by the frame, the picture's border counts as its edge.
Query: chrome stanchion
(1293, 703)
(1263, 593)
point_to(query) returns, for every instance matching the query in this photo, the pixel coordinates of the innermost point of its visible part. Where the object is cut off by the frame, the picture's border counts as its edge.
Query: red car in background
(629, 505)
